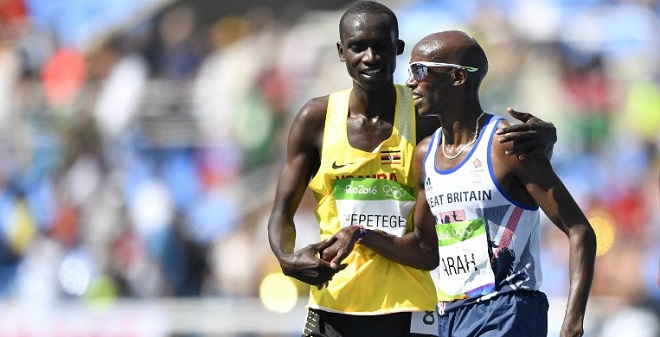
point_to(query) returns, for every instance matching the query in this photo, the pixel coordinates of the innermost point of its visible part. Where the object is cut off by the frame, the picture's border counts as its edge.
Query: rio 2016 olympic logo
(360, 189)
(394, 192)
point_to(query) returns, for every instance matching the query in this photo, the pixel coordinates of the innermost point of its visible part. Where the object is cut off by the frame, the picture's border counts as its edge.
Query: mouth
(416, 97)
(373, 72)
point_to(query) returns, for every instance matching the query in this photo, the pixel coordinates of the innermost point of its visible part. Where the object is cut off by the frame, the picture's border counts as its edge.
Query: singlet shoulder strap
(335, 118)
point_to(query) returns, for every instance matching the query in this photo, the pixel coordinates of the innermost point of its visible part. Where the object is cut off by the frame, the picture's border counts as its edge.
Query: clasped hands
(317, 263)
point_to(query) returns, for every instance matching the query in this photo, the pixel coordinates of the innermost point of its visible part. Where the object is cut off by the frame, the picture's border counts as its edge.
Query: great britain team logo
(477, 171)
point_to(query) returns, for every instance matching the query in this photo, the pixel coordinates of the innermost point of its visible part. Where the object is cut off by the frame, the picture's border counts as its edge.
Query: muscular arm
(558, 204)
(301, 161)
(418, 248)
(539, 180)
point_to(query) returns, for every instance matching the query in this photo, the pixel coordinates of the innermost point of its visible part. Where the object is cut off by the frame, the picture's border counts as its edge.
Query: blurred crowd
(142, 164)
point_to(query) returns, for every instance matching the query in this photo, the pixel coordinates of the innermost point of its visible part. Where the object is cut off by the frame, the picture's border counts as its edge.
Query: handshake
(317, 263)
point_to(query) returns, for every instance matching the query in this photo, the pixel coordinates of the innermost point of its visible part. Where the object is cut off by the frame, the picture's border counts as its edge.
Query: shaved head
(456, 47)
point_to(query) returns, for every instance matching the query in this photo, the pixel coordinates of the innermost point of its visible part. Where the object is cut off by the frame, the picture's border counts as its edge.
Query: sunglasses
(419, 70)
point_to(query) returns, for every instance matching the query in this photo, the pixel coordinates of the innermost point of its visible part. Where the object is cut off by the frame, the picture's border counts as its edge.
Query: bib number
(376, 204)
(465, 270)
(424, 323)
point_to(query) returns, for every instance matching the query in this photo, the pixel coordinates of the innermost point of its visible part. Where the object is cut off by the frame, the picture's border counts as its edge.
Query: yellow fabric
(371, 284)
(22, 229)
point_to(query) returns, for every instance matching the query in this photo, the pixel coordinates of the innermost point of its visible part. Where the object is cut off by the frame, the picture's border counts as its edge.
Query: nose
(411, 82)
(370, 55)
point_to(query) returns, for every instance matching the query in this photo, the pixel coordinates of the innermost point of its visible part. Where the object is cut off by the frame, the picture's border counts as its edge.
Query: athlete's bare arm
(302, 161)
(536, 178)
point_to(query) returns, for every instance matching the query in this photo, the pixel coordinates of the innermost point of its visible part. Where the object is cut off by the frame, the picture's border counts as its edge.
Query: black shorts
(321, 323)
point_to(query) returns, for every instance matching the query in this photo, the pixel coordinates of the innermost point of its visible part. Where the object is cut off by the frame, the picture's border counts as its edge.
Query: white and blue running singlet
(488, 243)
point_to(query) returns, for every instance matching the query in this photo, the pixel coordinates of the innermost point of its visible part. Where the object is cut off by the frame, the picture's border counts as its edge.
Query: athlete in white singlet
(485, 205)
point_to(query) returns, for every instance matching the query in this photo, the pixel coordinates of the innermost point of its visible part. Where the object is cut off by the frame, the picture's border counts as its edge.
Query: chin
(374, 82)
(421, 110)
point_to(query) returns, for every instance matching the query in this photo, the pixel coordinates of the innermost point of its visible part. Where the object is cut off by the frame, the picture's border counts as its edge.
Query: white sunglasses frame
(436, 64)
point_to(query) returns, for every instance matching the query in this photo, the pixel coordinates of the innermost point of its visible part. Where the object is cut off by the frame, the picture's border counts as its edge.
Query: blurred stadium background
(140, 142)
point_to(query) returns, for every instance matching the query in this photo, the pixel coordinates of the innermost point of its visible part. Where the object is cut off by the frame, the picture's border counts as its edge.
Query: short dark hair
(370, 7)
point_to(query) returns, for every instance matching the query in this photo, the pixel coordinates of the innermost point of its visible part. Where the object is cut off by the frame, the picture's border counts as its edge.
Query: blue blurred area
(76, 22)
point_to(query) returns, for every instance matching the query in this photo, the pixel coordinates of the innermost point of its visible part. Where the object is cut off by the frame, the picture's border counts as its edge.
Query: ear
(340, 51)
(460, 76)
(400, 46)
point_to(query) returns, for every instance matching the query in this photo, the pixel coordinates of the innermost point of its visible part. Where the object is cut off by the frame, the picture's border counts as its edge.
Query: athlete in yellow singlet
(377, 190)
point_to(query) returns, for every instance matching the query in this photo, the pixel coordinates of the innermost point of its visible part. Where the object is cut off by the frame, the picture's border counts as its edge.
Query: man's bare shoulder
(423, 145)
(313, 112)
(308, 125)
(422, 148)
(511, 161)
(499, 149)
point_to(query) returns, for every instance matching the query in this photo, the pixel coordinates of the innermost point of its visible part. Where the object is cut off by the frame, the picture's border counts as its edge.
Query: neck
(458, 148)
(372, 103)
(458, 125)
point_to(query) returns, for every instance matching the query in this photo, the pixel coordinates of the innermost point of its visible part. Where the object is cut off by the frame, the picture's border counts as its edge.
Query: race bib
(423, 323)
(377, 204)
(465, 270)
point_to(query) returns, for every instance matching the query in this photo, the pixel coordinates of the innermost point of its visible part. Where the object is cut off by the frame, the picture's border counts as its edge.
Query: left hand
(342, 245)
(571, 330)
(533, 137)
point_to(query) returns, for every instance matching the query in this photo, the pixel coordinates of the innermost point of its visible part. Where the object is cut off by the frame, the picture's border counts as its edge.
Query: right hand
(343, 244)
(306, 266)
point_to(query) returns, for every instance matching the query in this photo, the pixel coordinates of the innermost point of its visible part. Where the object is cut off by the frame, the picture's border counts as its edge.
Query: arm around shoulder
(533, 137)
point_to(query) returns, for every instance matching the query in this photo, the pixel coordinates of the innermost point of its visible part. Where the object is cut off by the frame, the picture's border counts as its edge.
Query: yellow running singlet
(376, 189)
